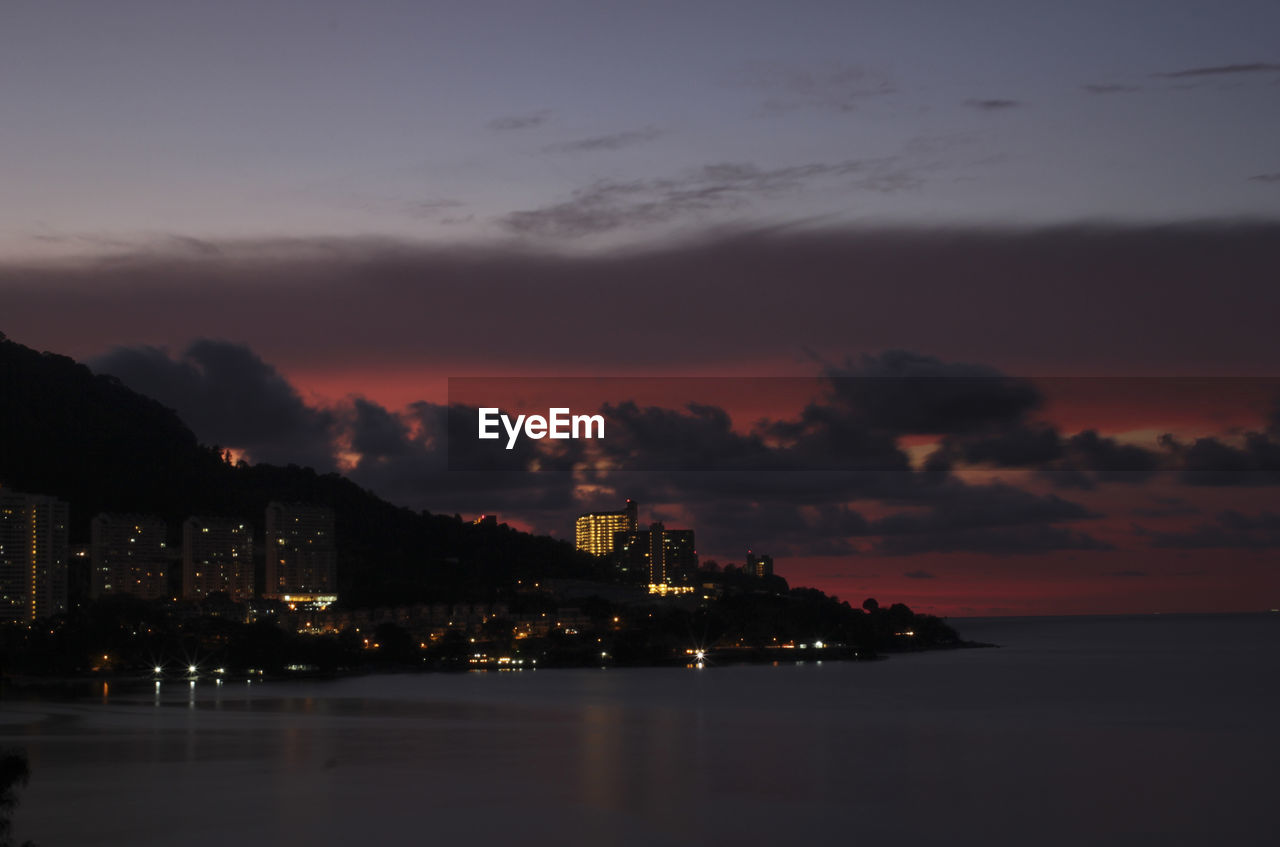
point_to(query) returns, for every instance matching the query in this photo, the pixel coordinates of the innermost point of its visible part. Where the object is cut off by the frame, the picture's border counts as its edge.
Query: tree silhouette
(14, 773)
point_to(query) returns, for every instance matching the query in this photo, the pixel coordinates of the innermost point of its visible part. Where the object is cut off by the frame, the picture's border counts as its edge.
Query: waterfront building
(129, 555)
(301, 554)
(594, 532)
(217, 555)
(759, 566)
(33, 556)
(656, 556)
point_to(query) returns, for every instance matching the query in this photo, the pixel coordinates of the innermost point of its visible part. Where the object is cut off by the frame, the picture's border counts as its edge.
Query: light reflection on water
(1100, 731)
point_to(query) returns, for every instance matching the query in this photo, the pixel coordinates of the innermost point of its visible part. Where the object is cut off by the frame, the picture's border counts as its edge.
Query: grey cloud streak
(839, 88)
(1221, 70)
(613, 141)
(527, 120)
(1110, 88)
(992, 104)
(609, 205)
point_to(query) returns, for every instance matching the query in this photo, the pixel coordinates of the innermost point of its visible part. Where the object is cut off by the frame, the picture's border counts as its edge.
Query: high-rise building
(33, 556)
(679, 557)
(759, 566)
(656, 556)
(128, 555)
(594, 531)
(301, 554)
(217, 555)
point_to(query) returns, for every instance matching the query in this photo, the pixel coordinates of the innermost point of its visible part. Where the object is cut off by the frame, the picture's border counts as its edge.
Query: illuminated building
(217, 555)
(33, 556)
(679, 557)
(759, 566)
(301, 557)
(657, 556)
(128, 555)
(594, 531)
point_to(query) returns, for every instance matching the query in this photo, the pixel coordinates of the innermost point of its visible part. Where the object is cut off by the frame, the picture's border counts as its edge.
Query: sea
(1151, 730)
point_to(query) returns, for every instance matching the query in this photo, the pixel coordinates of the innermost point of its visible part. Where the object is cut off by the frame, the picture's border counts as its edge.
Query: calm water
(1078, 731)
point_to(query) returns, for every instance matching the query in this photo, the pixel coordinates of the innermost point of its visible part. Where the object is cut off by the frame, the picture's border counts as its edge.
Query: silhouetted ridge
(100, 446)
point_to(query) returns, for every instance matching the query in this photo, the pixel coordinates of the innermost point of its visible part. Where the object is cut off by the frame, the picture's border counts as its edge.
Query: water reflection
(1156, 738)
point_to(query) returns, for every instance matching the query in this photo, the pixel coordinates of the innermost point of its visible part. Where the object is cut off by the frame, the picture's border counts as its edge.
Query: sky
(295, 223)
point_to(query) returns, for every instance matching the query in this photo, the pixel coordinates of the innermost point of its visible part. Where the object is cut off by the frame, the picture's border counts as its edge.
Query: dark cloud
(377, 433)
(1230, 530)
(1165, 507)
(1271, 177)
(1214, 462)
(1031, 445)
(782, 529)
(919, 575)
(1109, 459)
(789, 484)
(698, 437)
(998, 518)
(792, 497)
(229, 396)
(1221, 70)
(960, 507)
(992, 105)
(615, 141)
(413, 458)
(527, 120)
(1002, 541)
(1110, 88)
(1128, 574)
(911, 393)
(1030, 300)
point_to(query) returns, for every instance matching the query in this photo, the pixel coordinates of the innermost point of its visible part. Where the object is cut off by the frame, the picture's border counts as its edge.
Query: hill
(93, 442)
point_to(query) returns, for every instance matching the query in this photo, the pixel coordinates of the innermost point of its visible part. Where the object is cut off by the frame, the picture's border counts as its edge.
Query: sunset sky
(295, 222)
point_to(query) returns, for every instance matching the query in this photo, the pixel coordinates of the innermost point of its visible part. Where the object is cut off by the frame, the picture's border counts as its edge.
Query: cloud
(614, 141)
(438, 210)
(608, 205)
(1230, 530)
(413, 458)
(911, 393)
(1165, 507)
(1221, 70)
(1001, 541)
(1110, 88)
(1079, 461)
(1271, 177)
(1213, 462)
(763, 493)
(229, 396)
(919, 575)
(696, 437)
(961, 507)
(1034, 300)
(838, 88)
(527, 120)
(1108, 460)
(992, 105)
(376, 433)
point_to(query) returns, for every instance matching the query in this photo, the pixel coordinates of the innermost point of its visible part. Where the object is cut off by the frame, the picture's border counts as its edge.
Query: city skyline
(299, 225)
